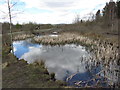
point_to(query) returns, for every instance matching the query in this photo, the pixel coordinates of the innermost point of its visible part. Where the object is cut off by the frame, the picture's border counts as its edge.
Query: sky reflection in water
(63, 60)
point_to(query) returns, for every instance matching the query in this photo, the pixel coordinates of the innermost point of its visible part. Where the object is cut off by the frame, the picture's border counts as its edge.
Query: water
(69, 62)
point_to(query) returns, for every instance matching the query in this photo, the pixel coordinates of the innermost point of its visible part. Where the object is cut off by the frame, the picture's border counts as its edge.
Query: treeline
(104, 21)
(24, 27)
(110, 15)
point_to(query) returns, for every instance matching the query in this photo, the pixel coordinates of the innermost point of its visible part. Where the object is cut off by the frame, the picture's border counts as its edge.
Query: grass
(62, 39)
(18, 74)
(103, 46)
(22, 36)
(103, 50)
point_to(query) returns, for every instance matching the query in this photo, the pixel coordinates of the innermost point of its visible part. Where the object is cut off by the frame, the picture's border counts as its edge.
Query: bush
(52, 76)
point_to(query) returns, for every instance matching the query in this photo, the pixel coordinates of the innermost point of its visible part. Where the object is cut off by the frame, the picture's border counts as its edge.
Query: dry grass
(63, 38)
(104, 50)
(22, 36)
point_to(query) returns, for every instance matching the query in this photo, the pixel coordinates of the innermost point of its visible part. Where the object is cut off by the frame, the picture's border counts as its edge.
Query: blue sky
(50, 11)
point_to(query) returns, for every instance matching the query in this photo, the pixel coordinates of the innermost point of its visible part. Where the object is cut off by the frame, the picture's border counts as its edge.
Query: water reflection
(63, 60)
(71, 63)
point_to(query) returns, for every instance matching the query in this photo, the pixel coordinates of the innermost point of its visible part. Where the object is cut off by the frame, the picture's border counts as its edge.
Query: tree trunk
(9, 9)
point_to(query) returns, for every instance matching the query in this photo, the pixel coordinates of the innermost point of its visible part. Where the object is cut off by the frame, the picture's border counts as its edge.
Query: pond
(69, 62)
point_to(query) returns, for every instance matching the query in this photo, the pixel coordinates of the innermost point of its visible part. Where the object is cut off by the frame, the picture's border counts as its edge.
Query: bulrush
(103, 52)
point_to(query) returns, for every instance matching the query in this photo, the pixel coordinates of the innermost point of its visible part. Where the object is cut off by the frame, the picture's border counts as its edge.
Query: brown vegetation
(22, 36)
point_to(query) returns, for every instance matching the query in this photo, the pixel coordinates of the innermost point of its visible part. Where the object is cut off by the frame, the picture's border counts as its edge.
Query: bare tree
(10, 20)
(91, 16)
(10, 5)
(77, 19)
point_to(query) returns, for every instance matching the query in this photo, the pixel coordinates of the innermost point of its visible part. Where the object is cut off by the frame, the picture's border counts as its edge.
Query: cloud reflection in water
(63, 60)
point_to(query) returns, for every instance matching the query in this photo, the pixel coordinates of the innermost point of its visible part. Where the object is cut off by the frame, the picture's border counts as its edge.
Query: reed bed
(64, 38)
(103, 52)
(22, 36)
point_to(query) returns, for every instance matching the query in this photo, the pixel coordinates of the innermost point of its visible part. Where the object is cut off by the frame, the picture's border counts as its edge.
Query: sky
(50, 11)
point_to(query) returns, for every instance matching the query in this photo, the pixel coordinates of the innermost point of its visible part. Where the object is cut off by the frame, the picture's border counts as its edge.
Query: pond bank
(19, 74)
(104, 52)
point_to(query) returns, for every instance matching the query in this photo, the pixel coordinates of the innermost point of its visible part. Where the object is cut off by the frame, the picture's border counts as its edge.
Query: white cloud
(58, 60)
(62, 11)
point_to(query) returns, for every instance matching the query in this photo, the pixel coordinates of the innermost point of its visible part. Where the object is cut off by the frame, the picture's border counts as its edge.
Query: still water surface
(65, 61)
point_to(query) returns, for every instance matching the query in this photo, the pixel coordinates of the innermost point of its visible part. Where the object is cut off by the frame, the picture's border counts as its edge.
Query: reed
(103, 52)
(65, 38)
(22, 36)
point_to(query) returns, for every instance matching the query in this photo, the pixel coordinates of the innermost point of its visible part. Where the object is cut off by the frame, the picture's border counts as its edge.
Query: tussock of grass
(4, 65)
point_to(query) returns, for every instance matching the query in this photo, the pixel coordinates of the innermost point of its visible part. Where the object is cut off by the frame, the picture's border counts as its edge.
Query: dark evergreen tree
(110, 15)
(98, 15)
(106, 15)
(118, 9)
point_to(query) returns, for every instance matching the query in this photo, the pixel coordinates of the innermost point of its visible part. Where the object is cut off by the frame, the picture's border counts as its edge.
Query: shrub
(52, 76)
